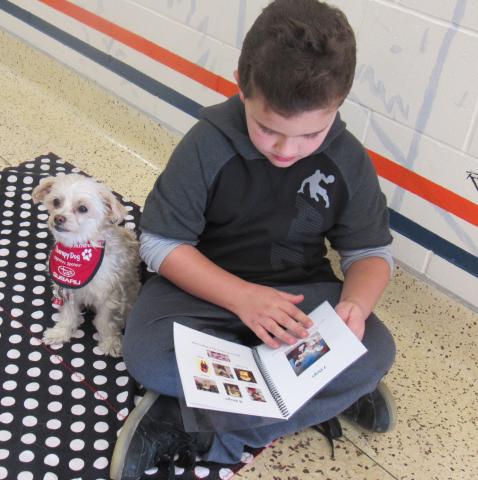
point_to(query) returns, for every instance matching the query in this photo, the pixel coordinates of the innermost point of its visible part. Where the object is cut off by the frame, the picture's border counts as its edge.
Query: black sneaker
(154, 432)
(375, 412)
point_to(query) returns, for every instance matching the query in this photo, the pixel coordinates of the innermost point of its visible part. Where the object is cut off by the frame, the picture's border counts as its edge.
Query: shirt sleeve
(347, 257)
(155, 248)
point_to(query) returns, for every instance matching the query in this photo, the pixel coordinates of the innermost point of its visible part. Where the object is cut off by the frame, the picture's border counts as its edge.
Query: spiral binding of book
(270, 384)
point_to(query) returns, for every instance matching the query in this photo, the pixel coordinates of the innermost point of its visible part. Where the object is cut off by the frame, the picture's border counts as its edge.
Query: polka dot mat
(61, 407)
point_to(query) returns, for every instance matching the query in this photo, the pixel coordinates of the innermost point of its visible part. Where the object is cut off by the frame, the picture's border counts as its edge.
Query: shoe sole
(126, 434)
(391, 406)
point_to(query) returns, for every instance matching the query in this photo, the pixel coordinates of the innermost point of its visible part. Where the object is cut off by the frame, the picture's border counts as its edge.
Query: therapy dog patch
(75, 266)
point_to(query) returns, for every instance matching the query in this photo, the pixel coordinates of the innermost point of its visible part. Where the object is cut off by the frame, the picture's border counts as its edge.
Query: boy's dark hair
(300, 55)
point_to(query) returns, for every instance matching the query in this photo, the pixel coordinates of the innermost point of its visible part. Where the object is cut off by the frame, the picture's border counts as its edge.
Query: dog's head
(79, 207)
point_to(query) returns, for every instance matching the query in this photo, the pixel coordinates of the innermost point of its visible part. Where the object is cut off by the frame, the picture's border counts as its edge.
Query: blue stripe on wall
(441, 247)
(429, 240)
(129, 73)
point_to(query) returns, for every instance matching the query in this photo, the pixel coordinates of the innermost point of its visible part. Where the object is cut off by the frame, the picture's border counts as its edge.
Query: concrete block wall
(414, 102)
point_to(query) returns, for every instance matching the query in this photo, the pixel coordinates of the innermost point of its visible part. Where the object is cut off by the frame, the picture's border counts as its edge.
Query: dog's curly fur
(83, 210)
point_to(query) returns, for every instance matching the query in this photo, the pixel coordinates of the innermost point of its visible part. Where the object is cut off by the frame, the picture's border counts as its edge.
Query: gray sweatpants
(150, 358)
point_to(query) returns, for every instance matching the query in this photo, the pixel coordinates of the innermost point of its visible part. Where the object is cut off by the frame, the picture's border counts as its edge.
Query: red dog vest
(74, 267)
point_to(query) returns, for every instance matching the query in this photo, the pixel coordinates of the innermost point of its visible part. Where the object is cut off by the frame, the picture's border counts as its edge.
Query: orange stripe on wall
(146, 47)
(424, 188)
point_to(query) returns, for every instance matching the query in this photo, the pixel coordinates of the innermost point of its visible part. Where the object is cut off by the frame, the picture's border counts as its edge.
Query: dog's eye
(56, 202)
(82, 209)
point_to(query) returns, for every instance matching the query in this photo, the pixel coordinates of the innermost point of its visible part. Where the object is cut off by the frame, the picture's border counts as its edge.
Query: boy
(235, 226)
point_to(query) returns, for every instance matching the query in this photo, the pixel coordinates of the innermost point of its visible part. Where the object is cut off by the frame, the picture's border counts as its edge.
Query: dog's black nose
(59, 219)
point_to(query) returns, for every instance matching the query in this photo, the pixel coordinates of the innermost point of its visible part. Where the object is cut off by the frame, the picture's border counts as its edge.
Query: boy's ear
(236, 77)
(43, 189)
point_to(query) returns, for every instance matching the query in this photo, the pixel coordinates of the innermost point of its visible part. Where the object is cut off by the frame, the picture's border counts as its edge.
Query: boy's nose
(285, 147)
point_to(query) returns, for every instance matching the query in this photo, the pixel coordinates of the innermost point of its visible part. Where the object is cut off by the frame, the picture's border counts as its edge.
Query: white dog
(95, 263)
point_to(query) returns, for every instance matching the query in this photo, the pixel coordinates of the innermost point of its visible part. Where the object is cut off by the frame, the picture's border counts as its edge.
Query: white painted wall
(414, 100)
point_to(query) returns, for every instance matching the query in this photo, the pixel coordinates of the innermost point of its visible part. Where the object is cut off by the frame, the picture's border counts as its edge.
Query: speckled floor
(46, 108)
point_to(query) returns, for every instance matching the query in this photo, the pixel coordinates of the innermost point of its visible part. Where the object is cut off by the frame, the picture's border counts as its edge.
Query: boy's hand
(353, 315)
(271, 313)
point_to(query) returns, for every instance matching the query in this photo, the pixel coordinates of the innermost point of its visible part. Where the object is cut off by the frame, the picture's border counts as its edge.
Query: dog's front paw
(111, 346)
(56, 335)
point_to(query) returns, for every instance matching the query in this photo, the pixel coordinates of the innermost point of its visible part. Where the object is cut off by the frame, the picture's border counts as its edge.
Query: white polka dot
(34, 356)
(77, 427)
(77, 347)
(16, 312)
(55, 406)
(52, 460)
(201, 472)
(77, 445)
(78, 409)
(23, 233)
(100, 463)
(77, 393)
(37, 314)
(101, 427)
(7, 401)
(22, 254)
(99, 380)
(4, 453)
(34, 372)
(41, 246)
(39, 267)
(25, 476)
(5, 435)
(38, 290)
(19, 288)
(6, 417)
(122, 381)
(77, 362)
(52, 442)
(56, 359)
(17, 298)
(76, 464)
(38, 302)
(122, 397)
(36, 328)
(15, 339)
(30, 403)
(13, 353)
(225, 473)
(101, 444)
(26, 456)
(55, 374)
(29, 421)
(11, 179)
(16, 324)
(27, 180)
(101, 410)
(39, 278)
(42, 234)
(28, 438)
(101, 395)
(53, 424)
(55, 389)
(99, 364)
(120, 366)
(32, 387)
(40, 256)
(50, 476)
(3, 263)
(11, 369)
(122, 414)
(77, 377)
(10, 385)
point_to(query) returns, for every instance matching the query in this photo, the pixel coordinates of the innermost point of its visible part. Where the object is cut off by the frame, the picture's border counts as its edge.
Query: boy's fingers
(265, 337)
(273, 327)
(299, 316)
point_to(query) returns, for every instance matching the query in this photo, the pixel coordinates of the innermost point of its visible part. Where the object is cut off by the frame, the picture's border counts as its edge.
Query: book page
(221, 375)
(299, 371)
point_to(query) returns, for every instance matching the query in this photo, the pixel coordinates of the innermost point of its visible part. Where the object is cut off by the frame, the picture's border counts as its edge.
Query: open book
(220, 375)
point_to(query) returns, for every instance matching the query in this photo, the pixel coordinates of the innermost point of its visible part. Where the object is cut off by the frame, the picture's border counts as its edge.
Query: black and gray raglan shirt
(260, 222)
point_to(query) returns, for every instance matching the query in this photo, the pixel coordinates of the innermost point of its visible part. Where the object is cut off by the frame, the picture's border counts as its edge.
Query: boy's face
(286, 140)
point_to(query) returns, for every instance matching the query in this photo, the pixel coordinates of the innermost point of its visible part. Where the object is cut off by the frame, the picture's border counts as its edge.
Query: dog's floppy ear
(43, 189)
(115, 210)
